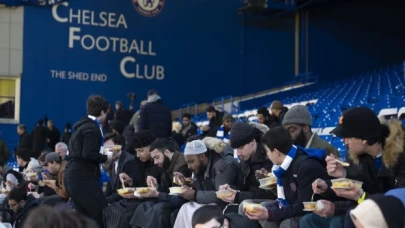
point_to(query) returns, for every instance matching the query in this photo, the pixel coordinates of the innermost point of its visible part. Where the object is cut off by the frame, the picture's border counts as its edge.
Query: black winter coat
(157, 118)
(247, 182)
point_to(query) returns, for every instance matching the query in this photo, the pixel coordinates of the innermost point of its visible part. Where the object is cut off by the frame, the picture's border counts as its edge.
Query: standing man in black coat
(39, 135)
(25, 138)
(82, 171)
(155, 116)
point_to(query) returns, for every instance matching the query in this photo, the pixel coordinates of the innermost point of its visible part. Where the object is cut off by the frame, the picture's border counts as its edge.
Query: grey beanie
(227, 117)
(297, 114)
(241, 134)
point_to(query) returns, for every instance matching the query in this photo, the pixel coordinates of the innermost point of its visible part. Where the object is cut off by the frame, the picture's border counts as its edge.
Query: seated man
(377, 159)
(157, 213)
(21, 204)
(212, 168)
(118, 214)
(298, 122)
(123, 162)
(246, 140)
(56, 167)
(295, 169)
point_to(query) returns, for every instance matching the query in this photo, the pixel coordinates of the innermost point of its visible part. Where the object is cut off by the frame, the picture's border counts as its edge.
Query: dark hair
(384, 133)
(210, 109)
(23, 153)
(194, 137)
(119, 103)
(143, 139)
(162, 144)
(186, 115)
(17, 194)
(42, 157)
(118, 125)
(96, 104)
(57, 219)
(263, 111)
(278, 138)
(117, 139)
(206, 213)
(46, 150)
(68, 126)
(40, 122)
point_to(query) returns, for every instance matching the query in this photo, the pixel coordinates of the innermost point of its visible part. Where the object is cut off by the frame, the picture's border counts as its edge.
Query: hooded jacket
(30, 204)
(84, 148)
(222, 169)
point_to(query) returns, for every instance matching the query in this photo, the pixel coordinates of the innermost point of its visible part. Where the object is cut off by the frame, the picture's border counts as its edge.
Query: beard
(301, 140)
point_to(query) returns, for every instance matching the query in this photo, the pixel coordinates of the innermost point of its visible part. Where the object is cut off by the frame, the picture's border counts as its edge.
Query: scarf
(278, 171)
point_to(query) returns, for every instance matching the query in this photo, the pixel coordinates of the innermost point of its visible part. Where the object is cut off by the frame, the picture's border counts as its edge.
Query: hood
(34, 166)
(81, 122)
(153, 98)
(218, 146)
(261, 127)
(394, 145)
(129, 128)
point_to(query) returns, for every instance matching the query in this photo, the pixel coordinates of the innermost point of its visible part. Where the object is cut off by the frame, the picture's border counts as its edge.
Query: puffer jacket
(222, 169)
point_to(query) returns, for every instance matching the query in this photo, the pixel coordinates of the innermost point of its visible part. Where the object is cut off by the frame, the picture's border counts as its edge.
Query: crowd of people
(148, 171)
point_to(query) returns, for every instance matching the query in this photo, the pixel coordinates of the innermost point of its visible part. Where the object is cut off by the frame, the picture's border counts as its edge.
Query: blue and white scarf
(278, 171)
(221, 136)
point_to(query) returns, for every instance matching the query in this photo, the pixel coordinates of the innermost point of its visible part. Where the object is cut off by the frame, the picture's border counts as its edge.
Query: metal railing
(187, 106)
(222, 100)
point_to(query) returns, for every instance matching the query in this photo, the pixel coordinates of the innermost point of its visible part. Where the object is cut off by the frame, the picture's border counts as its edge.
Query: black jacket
(31, 204)
(39, 135)
(126, 164)
(84, 149)
(297, 185)
(247, 182)
(391, 175)
(128, 135)
(191, 131)
(25, 141)
(54, 137)
(222, 169)
(66, 137)
(157, 118)
(214, 124)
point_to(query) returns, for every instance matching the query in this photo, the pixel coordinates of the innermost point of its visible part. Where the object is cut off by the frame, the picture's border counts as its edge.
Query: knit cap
(241, 134)
(297, 114)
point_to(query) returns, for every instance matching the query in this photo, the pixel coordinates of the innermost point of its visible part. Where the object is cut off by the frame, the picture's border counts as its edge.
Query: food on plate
(177, 190)
(49, 181)
(252, 207)
(345, 183)
(31, 174)
(123, 191)
(4, 191)
(268, 181)
(310, 206)
(142, 190)
(224, 194)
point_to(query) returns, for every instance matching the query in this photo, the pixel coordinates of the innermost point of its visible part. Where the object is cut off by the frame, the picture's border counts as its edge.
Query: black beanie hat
(393, 211)
(241, 134)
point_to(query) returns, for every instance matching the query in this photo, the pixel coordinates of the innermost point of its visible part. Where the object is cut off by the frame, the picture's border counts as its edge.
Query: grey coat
(222, 169)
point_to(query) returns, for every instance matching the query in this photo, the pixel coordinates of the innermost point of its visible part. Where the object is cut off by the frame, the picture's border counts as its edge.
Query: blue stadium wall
(204, 48)
(199, 50)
